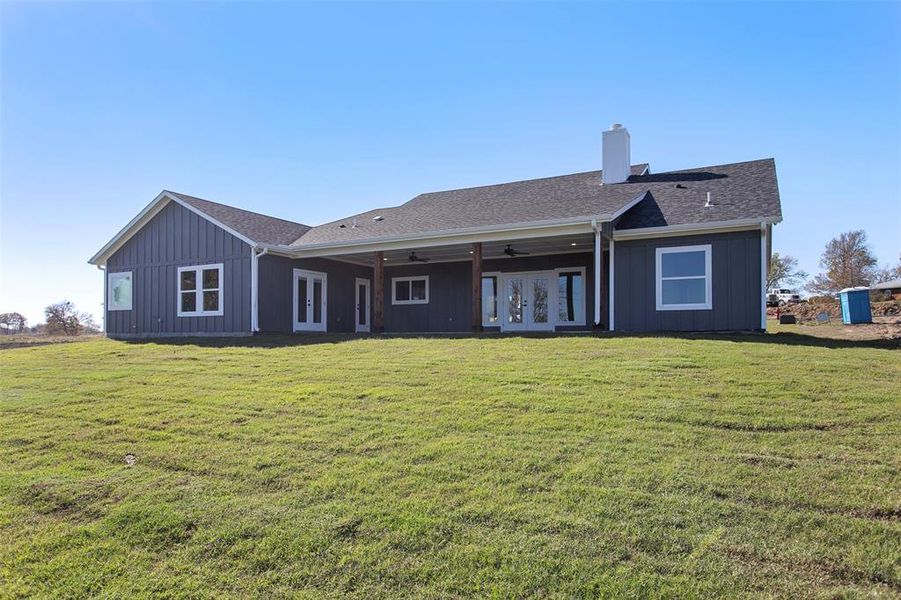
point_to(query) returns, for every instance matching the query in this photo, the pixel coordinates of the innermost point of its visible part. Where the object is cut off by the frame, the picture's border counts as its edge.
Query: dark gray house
(619, 249)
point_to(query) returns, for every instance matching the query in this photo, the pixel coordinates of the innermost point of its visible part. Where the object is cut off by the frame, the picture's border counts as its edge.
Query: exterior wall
(276, 292)
(450, 300)
(177, 237)
(737, 295)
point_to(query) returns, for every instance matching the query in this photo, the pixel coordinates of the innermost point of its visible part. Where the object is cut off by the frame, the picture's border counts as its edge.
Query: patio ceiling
(582, 242)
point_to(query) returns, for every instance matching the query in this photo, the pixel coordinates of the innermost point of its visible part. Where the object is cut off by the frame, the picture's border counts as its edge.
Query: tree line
(847, 261)
(61, 318)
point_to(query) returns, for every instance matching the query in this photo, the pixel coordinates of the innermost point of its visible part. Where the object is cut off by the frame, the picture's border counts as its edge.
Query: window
(489, 301)
(119, 291)
(410, 290)
(200, 291)
(684, 279)
(571, 297)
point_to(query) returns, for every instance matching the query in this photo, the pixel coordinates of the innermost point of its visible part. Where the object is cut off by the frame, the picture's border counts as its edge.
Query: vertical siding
(177, 237)
(735, 259)
(276, 280)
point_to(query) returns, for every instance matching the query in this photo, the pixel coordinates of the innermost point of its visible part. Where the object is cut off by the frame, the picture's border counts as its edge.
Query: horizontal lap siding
(737, 295)
(276, 280)
(177, 237)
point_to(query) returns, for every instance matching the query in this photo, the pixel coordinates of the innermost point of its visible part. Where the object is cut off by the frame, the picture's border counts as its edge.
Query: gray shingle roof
(577, 195)
(746, 190)
(262, 229)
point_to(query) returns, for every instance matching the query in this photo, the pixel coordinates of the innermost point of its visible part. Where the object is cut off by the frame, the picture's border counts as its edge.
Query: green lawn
(546, 466)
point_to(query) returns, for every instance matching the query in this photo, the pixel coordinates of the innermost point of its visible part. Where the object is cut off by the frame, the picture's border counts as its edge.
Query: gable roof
(261, 229)
(250, 227)
(739, 191)
(579, 195)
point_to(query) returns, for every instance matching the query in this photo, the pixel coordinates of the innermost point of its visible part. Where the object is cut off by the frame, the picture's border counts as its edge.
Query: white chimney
(616, 155)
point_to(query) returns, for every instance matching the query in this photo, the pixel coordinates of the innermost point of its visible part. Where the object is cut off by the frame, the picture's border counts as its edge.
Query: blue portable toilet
(856, 305)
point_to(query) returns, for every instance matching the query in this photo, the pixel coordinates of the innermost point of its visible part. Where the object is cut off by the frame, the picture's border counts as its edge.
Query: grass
(509, 467)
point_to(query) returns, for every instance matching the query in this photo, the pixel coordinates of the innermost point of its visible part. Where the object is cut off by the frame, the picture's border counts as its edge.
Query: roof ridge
(231, 207)
(476, 187)
(732, 164)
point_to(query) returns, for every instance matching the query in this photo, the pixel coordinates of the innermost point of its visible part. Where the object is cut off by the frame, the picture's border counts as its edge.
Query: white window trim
(708, 278)
(109, 289)
(580, 310)
(199, 291)
(411, 279)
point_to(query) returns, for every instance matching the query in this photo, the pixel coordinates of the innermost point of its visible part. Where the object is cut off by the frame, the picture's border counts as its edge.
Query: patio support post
(477, 286)
(598, 284)
(378, 299)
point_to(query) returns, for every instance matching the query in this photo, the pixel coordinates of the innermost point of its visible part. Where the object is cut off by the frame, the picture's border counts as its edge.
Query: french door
(527, 302)
(310, 292)
(361, 297)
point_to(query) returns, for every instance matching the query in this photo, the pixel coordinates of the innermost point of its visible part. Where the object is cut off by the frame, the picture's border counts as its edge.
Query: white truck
(781, 297)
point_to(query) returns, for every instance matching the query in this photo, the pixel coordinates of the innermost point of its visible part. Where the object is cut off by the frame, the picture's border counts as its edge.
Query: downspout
(255, 288)
(764, 273)
(105, 294)
(597, 272)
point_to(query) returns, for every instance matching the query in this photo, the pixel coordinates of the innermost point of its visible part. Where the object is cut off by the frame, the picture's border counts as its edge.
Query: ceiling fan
(414, 258)
(509, 251)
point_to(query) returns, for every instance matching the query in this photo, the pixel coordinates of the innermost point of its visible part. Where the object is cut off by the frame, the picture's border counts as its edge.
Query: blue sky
(315, 111)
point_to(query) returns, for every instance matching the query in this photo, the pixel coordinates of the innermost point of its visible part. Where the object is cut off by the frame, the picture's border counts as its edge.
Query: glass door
(527, 301)
(515, 315)
(362, 300)
(310, 289)
(539, 302)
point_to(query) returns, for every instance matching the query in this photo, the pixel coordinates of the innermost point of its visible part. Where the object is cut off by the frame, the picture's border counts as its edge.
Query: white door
(361, 297)
(310, 292)
(528, 298)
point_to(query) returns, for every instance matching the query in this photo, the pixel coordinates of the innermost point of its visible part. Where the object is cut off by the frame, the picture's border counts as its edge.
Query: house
(620, 249)
(887, 290)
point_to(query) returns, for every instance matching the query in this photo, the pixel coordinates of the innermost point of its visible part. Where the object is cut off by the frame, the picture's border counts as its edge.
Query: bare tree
(62, 319)
(887, 273)
(13, 322)
(848, 262)
(784, 271)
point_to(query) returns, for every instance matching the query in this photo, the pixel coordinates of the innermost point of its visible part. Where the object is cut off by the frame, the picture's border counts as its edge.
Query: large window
(200, 291)
(571, 297)
(489, 301)
(684, 278)
(410, 290)
(119, 291)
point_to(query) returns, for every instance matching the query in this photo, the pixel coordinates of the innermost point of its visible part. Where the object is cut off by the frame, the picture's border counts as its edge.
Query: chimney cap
(616, 126)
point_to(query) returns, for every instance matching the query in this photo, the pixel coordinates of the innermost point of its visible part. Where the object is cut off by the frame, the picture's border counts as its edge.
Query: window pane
(418, 286)
(211, 279)
(211, 301)
(682, 264)
(539, 300)
(401, 290)
(489, 300)
(317, 300)
(189, 280)
(120, 291)
(301, 299)
(362, 301)
(514, 300)
(188, 301)
(569, 294)
(684, 291)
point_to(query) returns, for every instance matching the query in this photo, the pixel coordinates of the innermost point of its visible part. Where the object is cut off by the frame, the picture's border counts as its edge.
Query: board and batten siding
(276, 292)
(177, 237)
(736, 285)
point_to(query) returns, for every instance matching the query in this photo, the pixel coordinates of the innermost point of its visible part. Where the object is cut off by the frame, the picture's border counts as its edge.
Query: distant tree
(784, 271)
(847, 262)
(887, 273)
(13, 322)
(62, 319)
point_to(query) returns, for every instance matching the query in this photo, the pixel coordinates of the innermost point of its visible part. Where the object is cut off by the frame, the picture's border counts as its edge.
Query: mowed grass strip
(547, 466)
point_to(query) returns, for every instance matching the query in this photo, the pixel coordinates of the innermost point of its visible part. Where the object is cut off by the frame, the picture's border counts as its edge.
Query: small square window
(410, 290)
(200, 291)
(684, 280)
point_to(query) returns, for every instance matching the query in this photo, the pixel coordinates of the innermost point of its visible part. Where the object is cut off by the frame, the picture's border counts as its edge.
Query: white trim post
(764, 274)
(610, 283)
(597, 273)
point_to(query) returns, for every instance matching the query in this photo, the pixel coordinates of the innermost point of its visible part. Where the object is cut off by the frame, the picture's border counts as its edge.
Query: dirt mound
(808, 311)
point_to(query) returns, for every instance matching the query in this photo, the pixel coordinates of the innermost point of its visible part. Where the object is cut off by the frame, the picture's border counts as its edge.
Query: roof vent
(378, 218)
